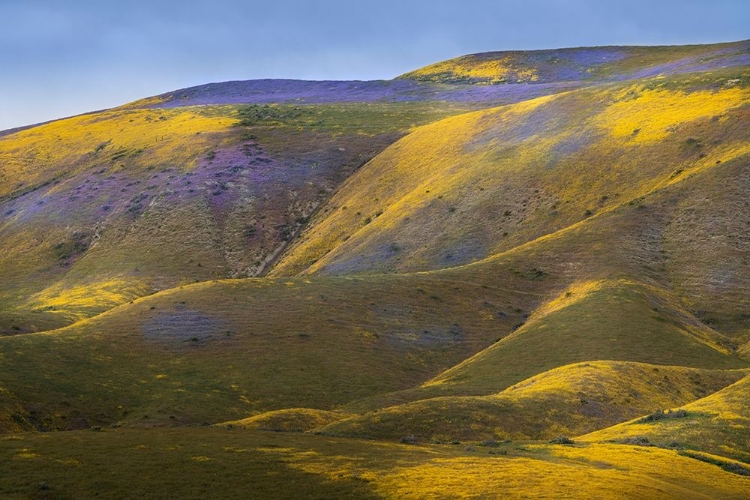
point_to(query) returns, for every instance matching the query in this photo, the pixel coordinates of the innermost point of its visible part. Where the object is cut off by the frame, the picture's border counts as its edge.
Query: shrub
(562, 440)
(732, 467)
(637, 441)
(410, 439)
(661, 414)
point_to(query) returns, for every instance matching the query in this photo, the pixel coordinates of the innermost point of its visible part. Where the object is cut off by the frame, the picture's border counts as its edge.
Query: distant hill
(587, 64)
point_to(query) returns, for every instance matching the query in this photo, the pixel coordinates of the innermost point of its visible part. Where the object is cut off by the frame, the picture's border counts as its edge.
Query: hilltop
(586, 64)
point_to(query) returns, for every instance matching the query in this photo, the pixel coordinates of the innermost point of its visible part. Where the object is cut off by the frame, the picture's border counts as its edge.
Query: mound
(219, 351)
(565, 401)
(718, 424)
(615, 320)
(288, 420)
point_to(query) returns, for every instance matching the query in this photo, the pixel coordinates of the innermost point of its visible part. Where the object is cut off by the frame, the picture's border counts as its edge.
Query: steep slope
(565, 401)
(587, 64)
(96, 210)
(717, 424)
(390, 332)
(477, 184)
(209, 199)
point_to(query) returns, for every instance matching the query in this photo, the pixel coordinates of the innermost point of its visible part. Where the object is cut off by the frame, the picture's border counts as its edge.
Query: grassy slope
(582, 64)
(630, 241)
(287, 420)
(565, 401)
(601, 321)
(226, 350)
(208, 199)
(717, 424)
(418, 319)
(597, 321)
(255, 464)
(199, 356)
(654, 272)
(481, 183)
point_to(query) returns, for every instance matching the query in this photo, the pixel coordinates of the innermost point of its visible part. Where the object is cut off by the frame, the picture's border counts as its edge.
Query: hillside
(716, 424)
(416, 283)
(565, 401)
(126, 202)
(482, 183)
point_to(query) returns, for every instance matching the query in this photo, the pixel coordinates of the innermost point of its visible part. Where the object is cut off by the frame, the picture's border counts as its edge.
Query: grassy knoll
(565, 401)
(717, 424)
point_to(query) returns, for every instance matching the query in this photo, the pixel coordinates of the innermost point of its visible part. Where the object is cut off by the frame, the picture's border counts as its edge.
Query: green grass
(226, 350)
(474, 185)
(611, 321)
(568, 401)
(366, 118)
(65, 247)
(716, 424)
(401, 270)
(199, 462)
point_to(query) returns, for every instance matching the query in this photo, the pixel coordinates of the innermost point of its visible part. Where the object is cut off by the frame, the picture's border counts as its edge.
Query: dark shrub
(637, 441)
(410, 439)
(562, 440)
(661, 414)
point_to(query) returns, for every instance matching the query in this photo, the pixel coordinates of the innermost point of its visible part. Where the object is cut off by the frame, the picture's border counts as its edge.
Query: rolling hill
(497, 250)
(588, 64)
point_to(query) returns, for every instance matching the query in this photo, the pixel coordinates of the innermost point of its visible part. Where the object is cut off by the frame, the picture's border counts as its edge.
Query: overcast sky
(64, 57)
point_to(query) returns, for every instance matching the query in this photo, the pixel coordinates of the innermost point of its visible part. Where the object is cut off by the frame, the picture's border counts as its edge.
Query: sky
(60, 58)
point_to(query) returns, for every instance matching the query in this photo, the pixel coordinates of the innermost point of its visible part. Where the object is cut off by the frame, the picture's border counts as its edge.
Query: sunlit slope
(619, 320)
(207, 462)
(99, 209)
(588, 64)
(565, 401)
(590, 292)
(718, 424)
(226, 350)
(477, 184)
(616, 320)
(287, 420)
